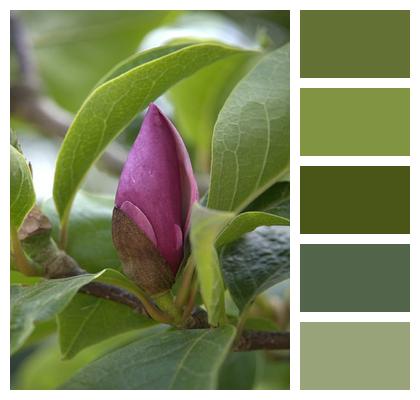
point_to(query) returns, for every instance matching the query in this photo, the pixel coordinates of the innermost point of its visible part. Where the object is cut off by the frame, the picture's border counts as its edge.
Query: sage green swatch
(349, 200)
(355, 355)
(355, 122)
(355, 278)
(355, 44)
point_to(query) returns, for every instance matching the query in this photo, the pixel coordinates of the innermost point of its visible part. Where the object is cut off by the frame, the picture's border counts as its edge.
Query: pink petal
(189, 189)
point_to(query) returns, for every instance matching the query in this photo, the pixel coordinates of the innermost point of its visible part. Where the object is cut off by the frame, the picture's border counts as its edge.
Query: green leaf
(73, 49)
(275, 200)
(261, 324)
(40, 302)
(206, 225)
(251, 135)
(45, 369)
(138, 59)
(168, 360)
(89, 238)
(238, 371)
(257, 261)
(17, 277)
(247, 222)
(88, 320)
(111, 106)
(22, 194)
(116, 278)
(272, 373)
(41, 331)
(197, 102)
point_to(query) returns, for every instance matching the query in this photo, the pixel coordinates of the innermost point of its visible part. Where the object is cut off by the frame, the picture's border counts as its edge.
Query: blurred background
(57, 57)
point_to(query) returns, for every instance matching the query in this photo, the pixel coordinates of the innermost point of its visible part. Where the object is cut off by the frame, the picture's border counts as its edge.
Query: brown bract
(141, 260)
(35, 223)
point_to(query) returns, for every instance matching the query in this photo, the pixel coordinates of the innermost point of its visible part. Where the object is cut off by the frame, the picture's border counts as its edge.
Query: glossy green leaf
(138, 59)
(22, 195)
(89, 239)
(261, 324)
(111, 106)
(247, 222)
(88, 320)
(238, 372)
(168, 360)
(275, 200)
(206, 225)
(41, 331)
(74, 49)
(272, 373)
(17, 277)
(251, 136)
(45, 369)
(116, 278)
(257, 261)
(40, 302)
(195, 119)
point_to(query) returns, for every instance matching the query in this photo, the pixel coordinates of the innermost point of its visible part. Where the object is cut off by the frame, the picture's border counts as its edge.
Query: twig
(20, 43)
(256, 340)
(113, 293)
(249, 340)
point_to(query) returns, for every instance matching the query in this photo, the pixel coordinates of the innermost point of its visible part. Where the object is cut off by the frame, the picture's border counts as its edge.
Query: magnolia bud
(153, 204)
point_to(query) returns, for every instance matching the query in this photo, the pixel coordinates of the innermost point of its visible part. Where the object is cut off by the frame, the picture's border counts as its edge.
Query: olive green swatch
(355, 355)
(355, 44)
(355, 122)
(355, 278)
(355, 199)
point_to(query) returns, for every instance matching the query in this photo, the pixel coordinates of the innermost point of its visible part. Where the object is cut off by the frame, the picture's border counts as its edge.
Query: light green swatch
(355, 355)
(355, 122)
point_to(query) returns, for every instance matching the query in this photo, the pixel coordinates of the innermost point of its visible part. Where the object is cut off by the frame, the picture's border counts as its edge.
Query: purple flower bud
(157, 188)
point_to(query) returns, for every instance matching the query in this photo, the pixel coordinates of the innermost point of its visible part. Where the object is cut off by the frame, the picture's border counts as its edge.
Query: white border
(294, 6)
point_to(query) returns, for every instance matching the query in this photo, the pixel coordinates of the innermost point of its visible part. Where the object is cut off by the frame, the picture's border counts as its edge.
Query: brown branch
(113, 293)
(256, 340)
(20, 44)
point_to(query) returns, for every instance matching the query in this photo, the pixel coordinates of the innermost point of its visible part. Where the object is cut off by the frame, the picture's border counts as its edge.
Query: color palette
(351, 119)
(354, 278)
(355, 44)
(355, 355)
(355, 122)
(355, 199)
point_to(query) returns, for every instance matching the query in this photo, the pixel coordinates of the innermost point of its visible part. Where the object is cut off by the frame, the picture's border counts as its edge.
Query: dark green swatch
(355, 355)
(355, 122)
(355, 278)
(355, 44)
(355, 199)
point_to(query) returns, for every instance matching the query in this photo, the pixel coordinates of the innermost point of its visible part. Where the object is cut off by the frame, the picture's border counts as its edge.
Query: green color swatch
(355, 277)
(355, 44)
(355, 199)
(355, 122)
(355, 355)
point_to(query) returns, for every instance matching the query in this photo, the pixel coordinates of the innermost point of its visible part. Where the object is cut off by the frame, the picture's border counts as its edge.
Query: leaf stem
(241, 323)
(63, 231)
(184, 290)
(22, 262)
(148, 305)
(191, 301)
(165, 301)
